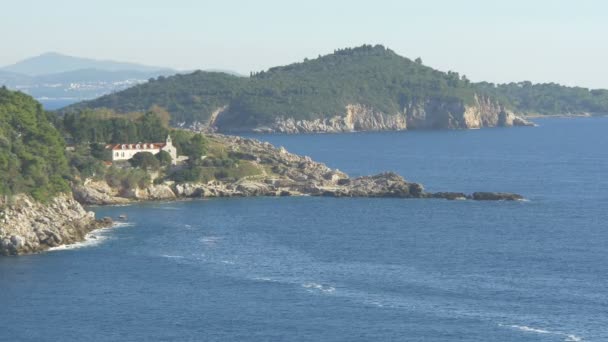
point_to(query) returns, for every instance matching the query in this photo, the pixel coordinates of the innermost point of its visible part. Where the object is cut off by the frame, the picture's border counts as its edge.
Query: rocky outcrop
(420, 114)
(28, 226)
(496, 196)
(98, 193)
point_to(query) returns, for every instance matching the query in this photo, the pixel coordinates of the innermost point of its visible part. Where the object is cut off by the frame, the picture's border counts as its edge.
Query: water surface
(323, 269)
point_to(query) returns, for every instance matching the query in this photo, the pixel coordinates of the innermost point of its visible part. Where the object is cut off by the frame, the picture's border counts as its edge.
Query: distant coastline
(566, 115)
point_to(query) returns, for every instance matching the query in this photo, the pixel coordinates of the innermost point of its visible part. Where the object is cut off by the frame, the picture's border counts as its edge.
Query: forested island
(353, 89)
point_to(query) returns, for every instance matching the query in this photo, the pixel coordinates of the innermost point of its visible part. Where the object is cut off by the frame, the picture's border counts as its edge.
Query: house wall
(127, 154)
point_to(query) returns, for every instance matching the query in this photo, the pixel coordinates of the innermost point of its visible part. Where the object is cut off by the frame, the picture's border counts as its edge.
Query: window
(123, 154)
(116, 154)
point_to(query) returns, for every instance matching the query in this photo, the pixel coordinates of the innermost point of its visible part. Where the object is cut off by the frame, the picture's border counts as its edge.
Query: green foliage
(185, 175)
(195, 148)
(145, 161)
(32, 152)
(548, 98)
(84, 163)
(90, 126)
(164, 158)
(184, 96)
(370, 75)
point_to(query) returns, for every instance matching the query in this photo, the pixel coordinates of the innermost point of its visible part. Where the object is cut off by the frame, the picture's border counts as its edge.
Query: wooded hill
(372, 76)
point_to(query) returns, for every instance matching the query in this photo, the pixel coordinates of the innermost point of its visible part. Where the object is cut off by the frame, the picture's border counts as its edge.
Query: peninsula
(44, 183)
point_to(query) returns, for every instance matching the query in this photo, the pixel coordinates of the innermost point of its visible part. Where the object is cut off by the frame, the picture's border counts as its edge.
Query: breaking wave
(527, 329)
(93, 238)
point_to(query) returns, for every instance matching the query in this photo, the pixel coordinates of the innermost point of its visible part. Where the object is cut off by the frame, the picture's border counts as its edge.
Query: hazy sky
(499, 41)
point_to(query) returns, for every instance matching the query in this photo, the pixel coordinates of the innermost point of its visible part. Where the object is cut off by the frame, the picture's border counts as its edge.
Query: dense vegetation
(549, 98)
(34, 159)
(89, 131)
(370, 75)
(32, 151)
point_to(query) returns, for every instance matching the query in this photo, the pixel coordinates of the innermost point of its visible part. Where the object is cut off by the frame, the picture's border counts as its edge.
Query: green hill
(369, 75)
(363, 88)
(32, 152)
(549, 98)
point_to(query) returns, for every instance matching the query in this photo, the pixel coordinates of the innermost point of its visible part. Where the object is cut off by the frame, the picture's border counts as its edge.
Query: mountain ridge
(54, 62)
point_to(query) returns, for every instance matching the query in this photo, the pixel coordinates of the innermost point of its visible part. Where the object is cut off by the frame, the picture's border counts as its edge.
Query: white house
(127, 151)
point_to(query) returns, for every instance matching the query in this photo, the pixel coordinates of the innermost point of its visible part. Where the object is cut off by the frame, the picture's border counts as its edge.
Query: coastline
(564, 116)
(32, 227)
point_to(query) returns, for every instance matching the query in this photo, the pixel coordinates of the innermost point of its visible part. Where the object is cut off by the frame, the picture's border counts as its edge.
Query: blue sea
(326, 269)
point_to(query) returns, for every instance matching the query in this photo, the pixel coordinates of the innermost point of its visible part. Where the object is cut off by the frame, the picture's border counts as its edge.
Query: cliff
(29, 226)
(427, 114)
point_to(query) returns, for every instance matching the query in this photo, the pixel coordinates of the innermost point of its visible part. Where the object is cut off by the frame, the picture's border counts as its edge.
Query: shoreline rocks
(28, 226)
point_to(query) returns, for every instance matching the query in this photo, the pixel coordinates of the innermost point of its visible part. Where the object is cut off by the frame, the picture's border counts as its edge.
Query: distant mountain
(53, 63)
(58, 80)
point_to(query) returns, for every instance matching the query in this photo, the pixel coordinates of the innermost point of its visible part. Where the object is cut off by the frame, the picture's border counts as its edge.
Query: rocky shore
(28, 226)
(283, 174)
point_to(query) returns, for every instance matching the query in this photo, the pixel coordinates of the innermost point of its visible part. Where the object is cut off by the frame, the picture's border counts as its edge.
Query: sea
(349, 269)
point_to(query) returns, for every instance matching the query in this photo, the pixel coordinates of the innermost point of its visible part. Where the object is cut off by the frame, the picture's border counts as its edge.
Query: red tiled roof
(142, 146)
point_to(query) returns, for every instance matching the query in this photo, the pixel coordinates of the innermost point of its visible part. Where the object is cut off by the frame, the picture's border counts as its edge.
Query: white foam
(263, 279)
(93, 238)
(319, 287)
(210, 240)
(524, 328)
(172, 256)
(530, 329)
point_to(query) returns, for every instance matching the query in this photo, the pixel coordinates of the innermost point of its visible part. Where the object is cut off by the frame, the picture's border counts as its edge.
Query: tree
(418, 60)
(145, 161)
(196, 148)
(164, 158)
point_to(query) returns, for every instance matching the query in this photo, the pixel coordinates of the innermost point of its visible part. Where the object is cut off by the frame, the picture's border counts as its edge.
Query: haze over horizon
(544, 41)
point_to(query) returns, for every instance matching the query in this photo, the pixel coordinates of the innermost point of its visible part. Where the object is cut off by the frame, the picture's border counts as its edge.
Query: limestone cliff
(28, 226)
(420, 114)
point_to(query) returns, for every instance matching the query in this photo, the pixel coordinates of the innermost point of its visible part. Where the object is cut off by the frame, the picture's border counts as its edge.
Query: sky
(487, 40)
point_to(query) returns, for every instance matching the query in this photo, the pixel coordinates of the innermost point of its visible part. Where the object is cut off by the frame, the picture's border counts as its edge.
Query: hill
(549, 98)
(365, 88)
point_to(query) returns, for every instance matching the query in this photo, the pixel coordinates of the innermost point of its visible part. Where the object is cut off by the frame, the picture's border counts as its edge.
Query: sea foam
(525, 328)
(93, 238)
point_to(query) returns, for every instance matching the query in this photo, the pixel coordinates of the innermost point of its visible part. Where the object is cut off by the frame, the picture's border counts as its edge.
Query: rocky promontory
(28, 226)
(279, 173)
